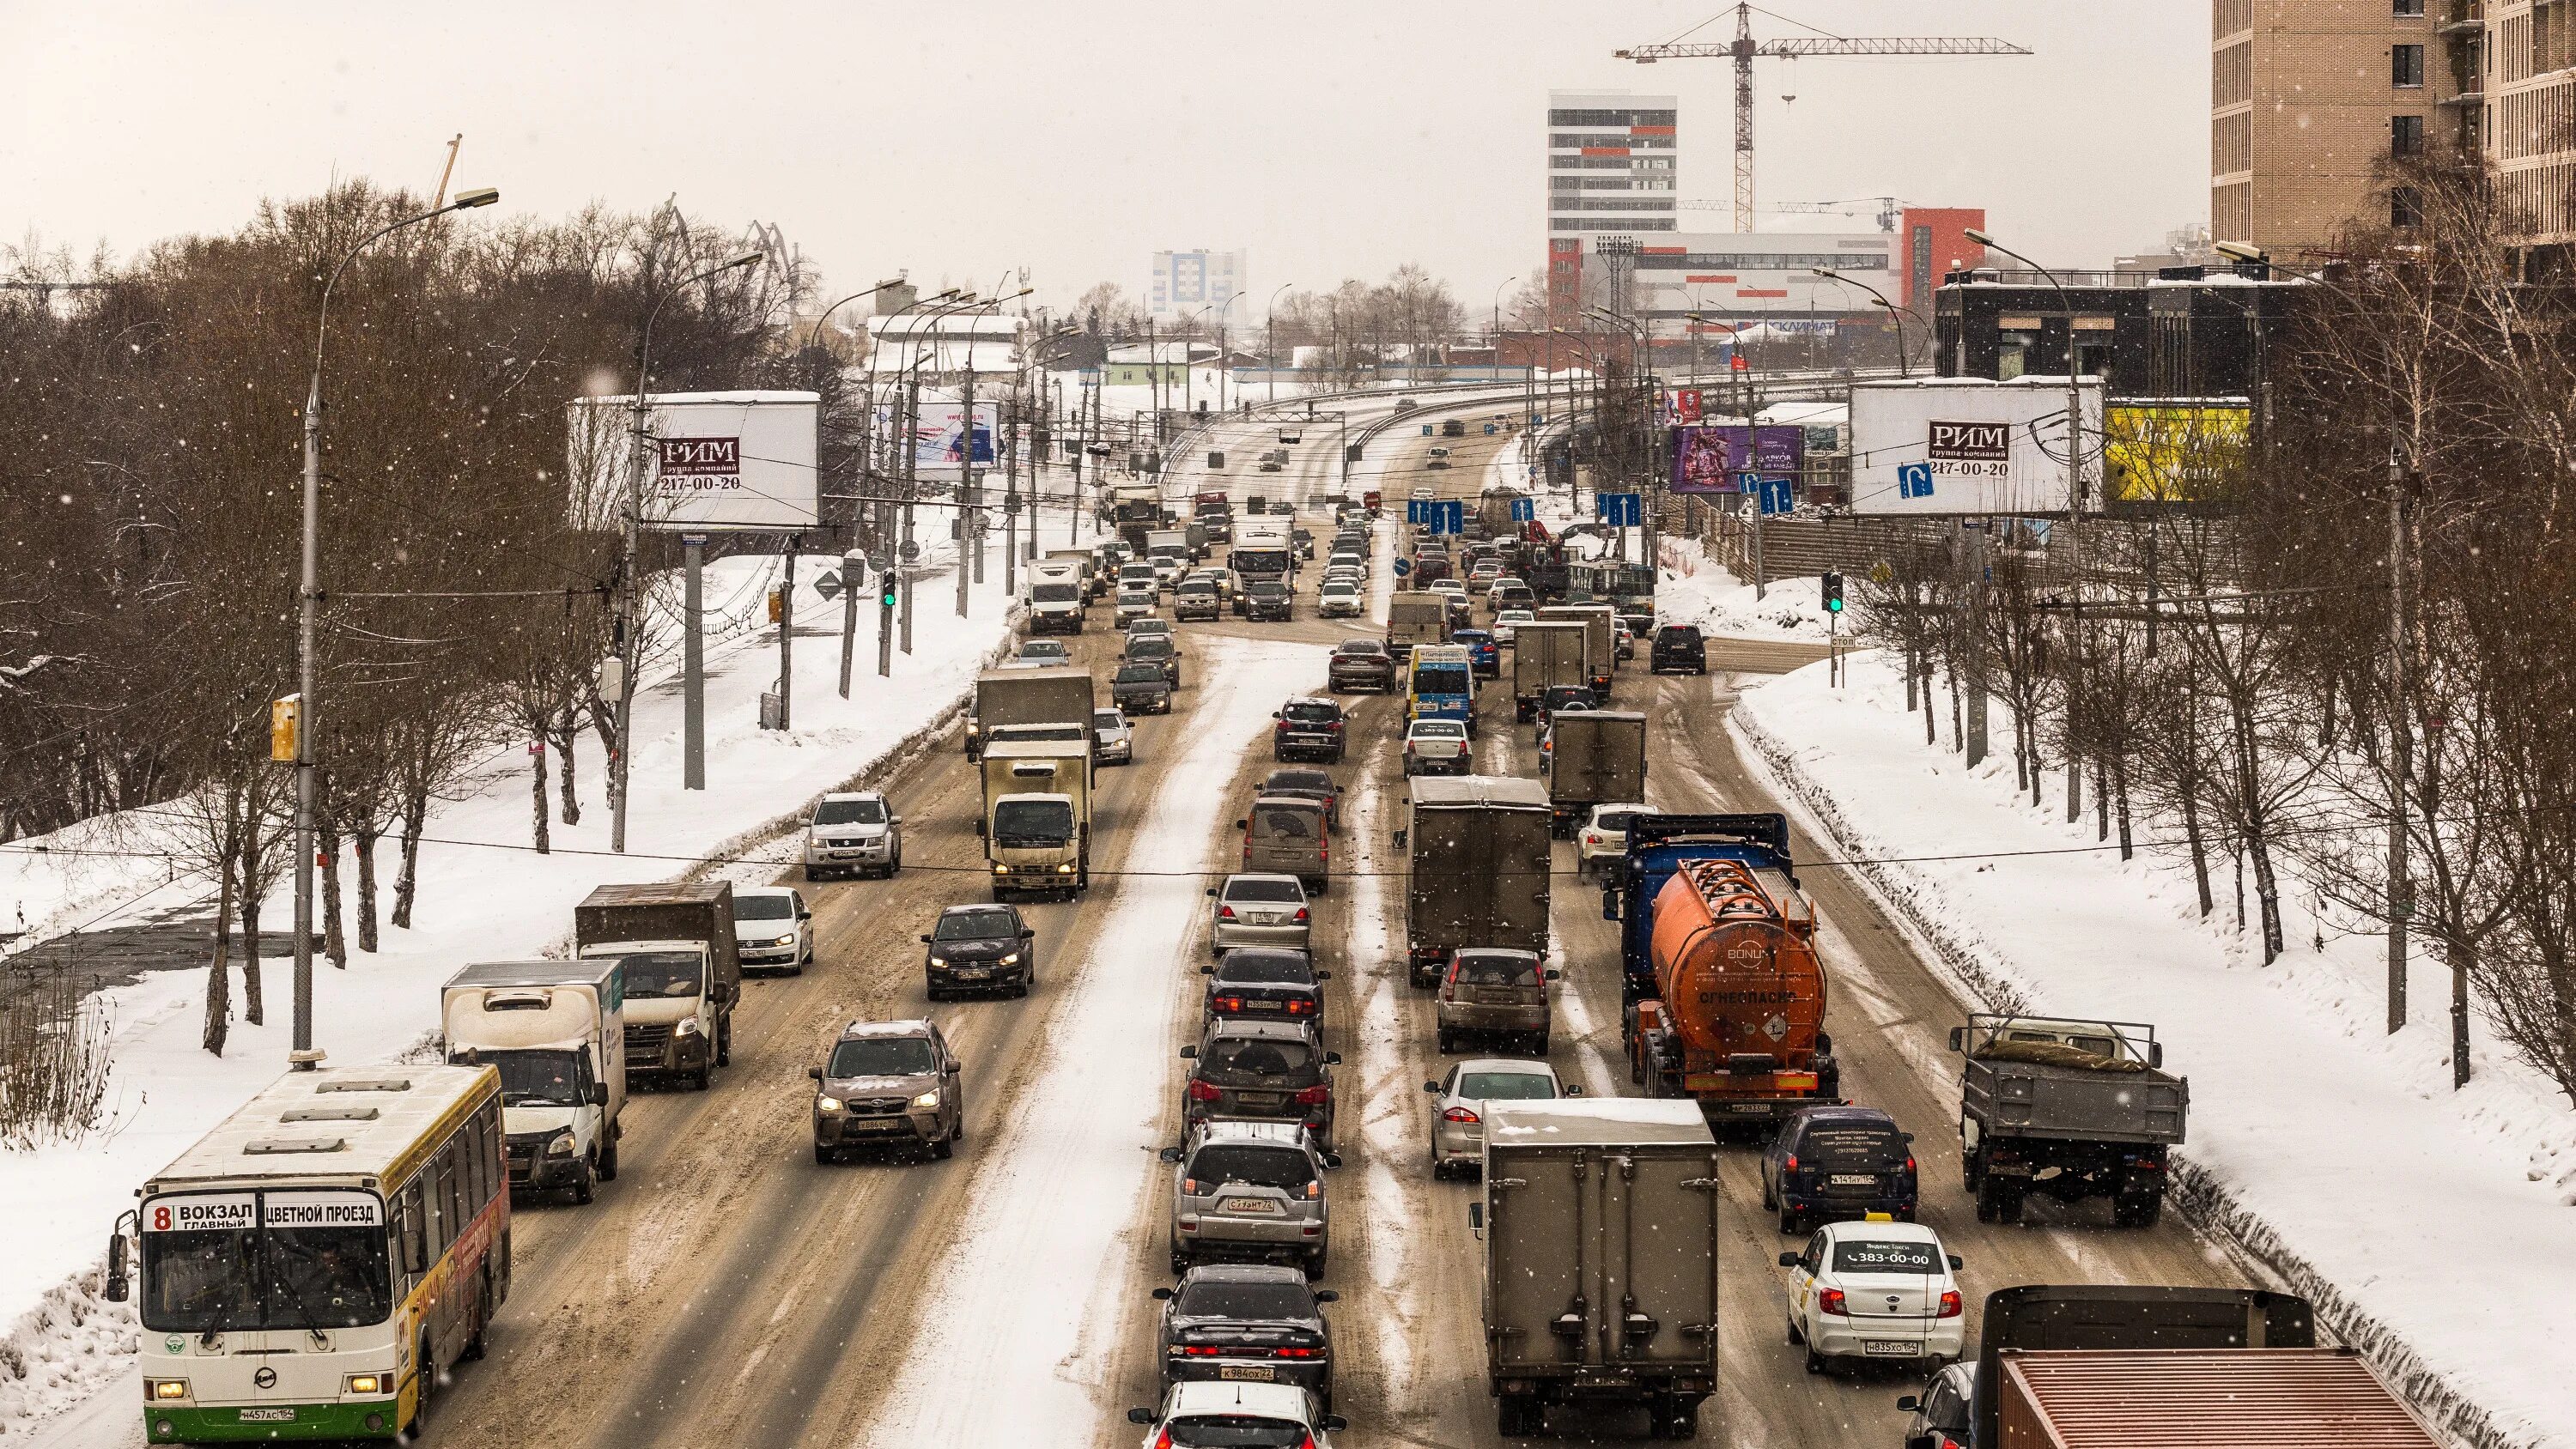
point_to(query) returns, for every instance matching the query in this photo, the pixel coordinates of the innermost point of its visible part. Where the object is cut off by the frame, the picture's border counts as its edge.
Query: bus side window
(441, 1190)
(495, 1160)
(415, 1243)
(451, 1177)
(478, 1175)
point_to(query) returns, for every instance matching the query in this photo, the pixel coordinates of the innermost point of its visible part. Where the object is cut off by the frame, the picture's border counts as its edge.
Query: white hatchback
(1604, 836)
(1217, 1411)
(1875, 1289)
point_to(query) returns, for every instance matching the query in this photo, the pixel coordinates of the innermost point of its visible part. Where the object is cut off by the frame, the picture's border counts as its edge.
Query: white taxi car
(1875, 1289)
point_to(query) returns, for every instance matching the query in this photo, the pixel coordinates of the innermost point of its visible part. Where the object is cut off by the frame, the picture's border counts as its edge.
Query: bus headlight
(364, 1384)
(165, 1389)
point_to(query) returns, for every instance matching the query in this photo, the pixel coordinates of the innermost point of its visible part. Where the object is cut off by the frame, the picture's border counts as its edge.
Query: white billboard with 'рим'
(710, 461)
(1968, 445)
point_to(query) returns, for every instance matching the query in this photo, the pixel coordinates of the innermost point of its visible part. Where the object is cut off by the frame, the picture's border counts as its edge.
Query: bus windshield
(1441, 679)
(227, 1262)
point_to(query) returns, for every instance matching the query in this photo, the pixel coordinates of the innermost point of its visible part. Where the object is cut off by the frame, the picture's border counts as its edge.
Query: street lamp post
(850, 592)
(1896, 314)
(1647, 517)
(302, 1056)
(1496, 338)
(2074, 510)
(629, 650)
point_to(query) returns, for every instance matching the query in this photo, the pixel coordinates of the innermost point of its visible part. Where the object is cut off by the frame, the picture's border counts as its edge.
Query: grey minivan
(1284, 835)
(1493, 991)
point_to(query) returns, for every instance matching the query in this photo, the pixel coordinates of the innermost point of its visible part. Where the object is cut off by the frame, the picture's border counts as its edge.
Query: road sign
(1448, 515)
(1739, 363)
(1426, 430)
(1913, 480)
(1775, 496)
(1524, 510)
(1417, 510)
(911, 551)
(1620, 510)
(1403, 566)
(829, 585)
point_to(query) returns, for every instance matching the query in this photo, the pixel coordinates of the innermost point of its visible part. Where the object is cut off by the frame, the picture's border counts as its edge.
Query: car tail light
(1198, 1350)
(1314, 1097)
(1229, 1003)
(1335, 726)
(1789, 1163)
(1461, 1115)
(1189, 1188)
(1302, 916)
(1296, 1353)
(1951, 1307)
(1314, 1190)
(1164, 1439)
(1203, 1092)
(1298, 1007)
(1909, 1164)
(1830, 1300)
(1225, 913)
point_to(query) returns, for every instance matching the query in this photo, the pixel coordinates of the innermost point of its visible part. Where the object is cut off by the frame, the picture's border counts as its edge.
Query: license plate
(1853, 1179)
(972, 973)
(1749, 1109)
(1248, 1205)
(1890, 1348)
(873, 1126)
(1256, 1373)
(268, 1416)
(1259, 1099)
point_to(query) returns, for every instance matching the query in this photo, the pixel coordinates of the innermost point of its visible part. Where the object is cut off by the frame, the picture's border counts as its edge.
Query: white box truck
(556, 1031)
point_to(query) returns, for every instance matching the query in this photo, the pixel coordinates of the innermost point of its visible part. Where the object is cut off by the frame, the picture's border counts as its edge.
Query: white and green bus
(310, 1267)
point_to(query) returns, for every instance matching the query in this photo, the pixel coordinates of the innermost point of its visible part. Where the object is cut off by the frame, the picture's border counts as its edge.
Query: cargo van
(1284, 835)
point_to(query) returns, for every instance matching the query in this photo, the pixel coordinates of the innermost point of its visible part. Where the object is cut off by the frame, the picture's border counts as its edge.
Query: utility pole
(1972, 541)
(911, 490)
(966, 517)
(2401, 740)
(693, 662)
(852, 568)
(1010, 503)
(1753, 469)
(787, 630)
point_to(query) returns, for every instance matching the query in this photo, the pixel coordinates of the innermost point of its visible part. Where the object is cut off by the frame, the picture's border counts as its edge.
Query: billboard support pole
(1973, 549)
(693, 663)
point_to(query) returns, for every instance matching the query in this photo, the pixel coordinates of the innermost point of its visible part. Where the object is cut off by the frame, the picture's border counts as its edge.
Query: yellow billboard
(2174, 450)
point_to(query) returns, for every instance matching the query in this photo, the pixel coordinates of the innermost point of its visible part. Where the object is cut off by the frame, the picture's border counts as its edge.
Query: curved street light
(1895, 313)
(301, 1056)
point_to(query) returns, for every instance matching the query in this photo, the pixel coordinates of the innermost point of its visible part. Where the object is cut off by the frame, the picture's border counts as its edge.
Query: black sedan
(1264, 983)
(979, 948)
(1360, 664)
(1247, 1321)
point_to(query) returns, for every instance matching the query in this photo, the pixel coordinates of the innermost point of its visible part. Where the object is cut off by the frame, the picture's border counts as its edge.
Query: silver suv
(1492, 991)
(888, 1084)
(852, 831)
(1250, 1190)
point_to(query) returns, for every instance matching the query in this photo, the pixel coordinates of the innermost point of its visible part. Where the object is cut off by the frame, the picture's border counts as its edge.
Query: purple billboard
(1707, 459)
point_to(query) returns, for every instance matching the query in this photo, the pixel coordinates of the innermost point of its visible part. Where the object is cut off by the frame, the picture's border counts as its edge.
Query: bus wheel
(424, 1383)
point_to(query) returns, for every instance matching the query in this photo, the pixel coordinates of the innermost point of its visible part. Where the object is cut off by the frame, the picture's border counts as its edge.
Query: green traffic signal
(1833, 589)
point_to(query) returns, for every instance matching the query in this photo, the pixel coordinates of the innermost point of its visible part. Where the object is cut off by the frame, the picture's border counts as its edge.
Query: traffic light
(1833, 593)
(885, 589)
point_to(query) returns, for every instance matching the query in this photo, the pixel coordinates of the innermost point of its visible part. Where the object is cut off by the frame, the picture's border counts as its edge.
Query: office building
(1197, 281)
(1613, 168)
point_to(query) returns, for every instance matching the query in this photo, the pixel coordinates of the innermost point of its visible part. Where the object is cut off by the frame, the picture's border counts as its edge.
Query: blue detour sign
(1913, 480)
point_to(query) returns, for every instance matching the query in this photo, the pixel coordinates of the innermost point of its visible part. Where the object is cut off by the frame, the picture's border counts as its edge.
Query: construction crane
(1745, 48)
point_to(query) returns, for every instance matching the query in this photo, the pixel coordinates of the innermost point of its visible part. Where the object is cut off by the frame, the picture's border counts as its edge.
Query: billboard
(1707, 459)
(2173, 450)
(710, 462)
(1966, 445)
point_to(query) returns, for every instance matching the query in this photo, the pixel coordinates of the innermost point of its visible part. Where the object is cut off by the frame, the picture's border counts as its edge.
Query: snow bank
(483, 894)
(2333, 1153)
(1696, 589)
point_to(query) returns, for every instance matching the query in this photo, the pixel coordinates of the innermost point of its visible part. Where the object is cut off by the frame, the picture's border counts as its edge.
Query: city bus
(1441, 684)
(310, 1267)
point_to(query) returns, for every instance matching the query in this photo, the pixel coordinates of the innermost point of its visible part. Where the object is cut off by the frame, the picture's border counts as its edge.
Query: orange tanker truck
(1737, 1016)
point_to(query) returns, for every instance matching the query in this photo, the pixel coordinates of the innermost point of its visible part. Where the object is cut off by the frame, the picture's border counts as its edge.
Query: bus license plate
(1891, 1348)
(268, 1416)
(1257, 1373)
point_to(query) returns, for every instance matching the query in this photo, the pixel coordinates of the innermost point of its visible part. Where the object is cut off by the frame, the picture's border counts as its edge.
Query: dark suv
(1678, 648)
(1308, 728)
(1260, 1071)
(1315, 785)
(1838, 1163)
(1263, 983)
(1267, 599)
(979, 948)
(1360, 664)
(1259, 1322)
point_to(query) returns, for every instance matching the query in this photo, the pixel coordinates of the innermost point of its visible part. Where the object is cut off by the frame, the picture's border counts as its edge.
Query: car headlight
(827, 1104)
(784, 941)
(1011, 960)
(559, 1145)
(938, 960)
(927, 1099)
(688, 1026)
(1001, 870)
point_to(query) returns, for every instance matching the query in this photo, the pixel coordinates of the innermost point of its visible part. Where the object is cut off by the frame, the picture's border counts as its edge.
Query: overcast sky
(1328, 138)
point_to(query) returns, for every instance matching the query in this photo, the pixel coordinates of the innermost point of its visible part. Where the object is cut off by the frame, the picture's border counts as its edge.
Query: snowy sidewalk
(2337, 1155)
(483, 894)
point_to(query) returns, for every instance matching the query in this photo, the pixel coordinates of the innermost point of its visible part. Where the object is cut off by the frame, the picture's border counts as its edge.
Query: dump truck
(1476, 869)
(1036, 821)
(1600, 640)
(556, 1030)
(1600, 1237)
(682, 976)
(1056, 694)
(2068, 1107)
(2123, 1318)
(1594, 757)
(1544, 656)
(1736, 1017)
(1415, 617)
(2114, 1399)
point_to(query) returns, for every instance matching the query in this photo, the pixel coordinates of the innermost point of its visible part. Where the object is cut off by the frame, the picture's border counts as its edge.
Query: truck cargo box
(2275, 1398)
